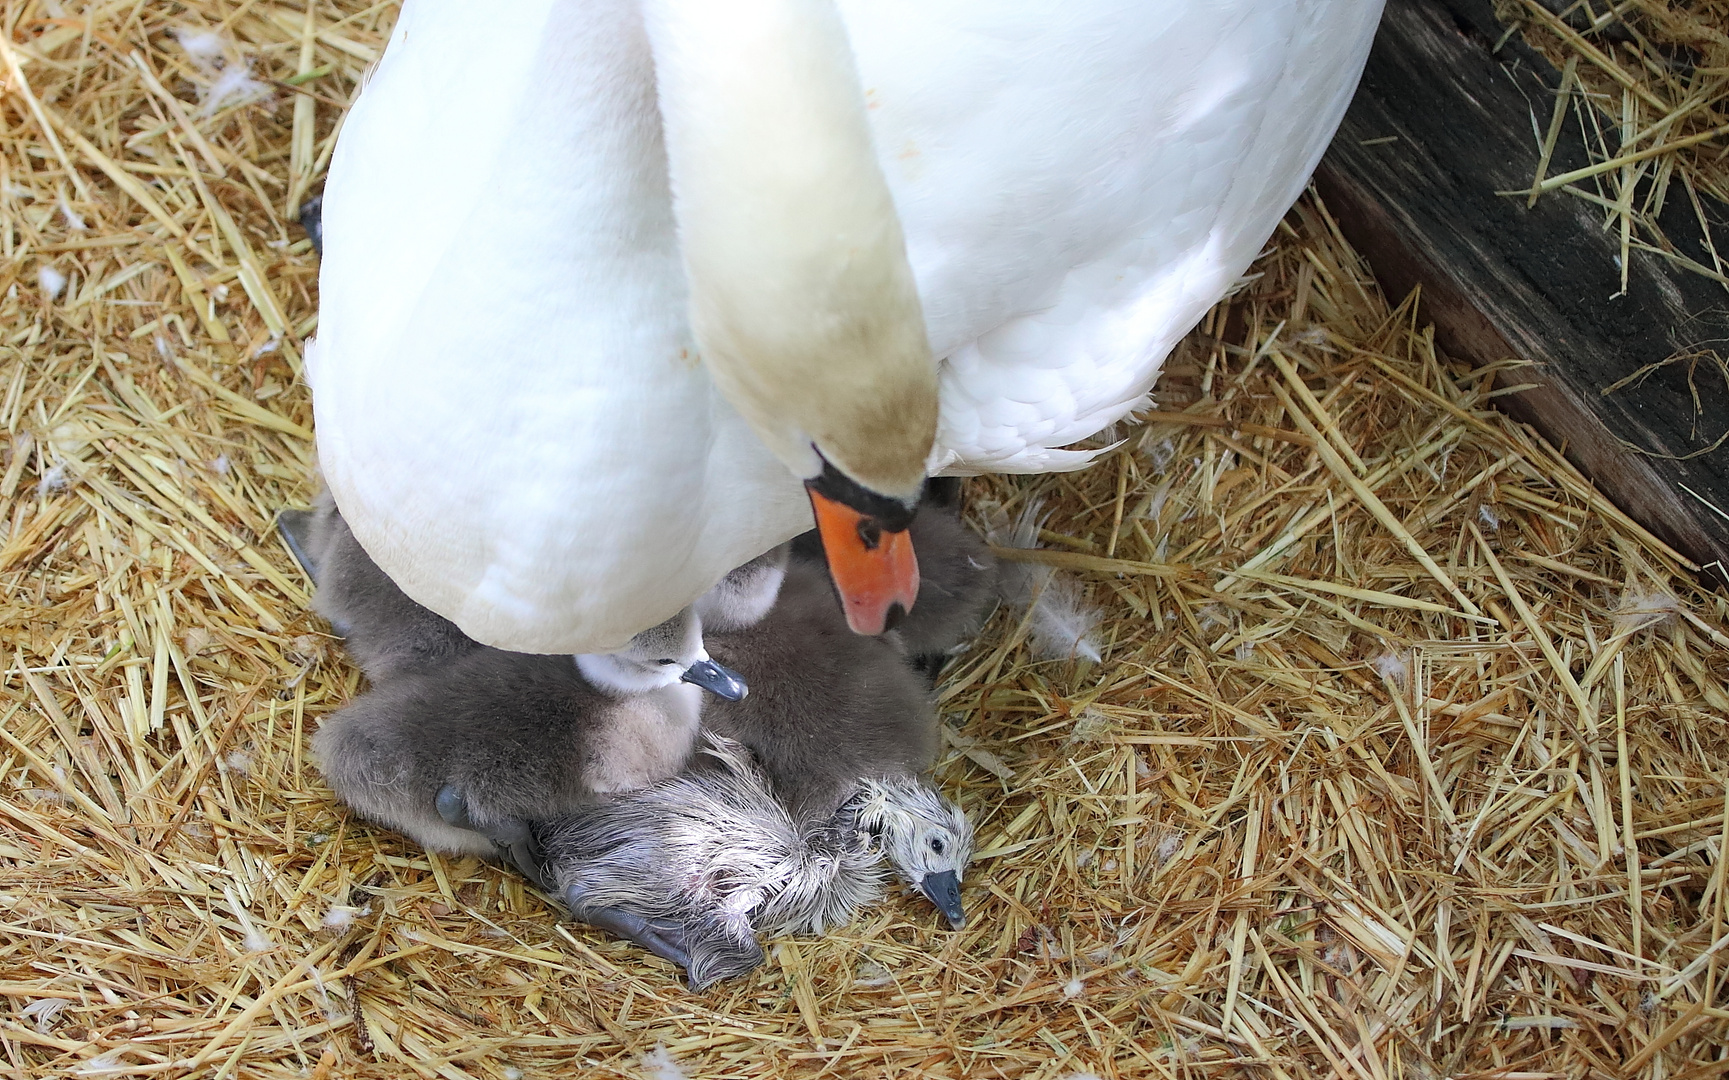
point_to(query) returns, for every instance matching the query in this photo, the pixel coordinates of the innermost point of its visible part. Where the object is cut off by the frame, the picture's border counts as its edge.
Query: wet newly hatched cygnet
(695, 867)
(840, 730)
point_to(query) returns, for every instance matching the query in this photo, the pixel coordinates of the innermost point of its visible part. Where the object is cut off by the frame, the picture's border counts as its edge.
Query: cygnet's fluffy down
(460, 760)
(695, 867)
(765, 835)
(458, 745)
(957, 587)
(826, 706)
(830, 712)
(385, 632)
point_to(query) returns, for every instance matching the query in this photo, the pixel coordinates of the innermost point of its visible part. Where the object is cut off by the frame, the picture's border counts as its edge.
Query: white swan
(513, 409)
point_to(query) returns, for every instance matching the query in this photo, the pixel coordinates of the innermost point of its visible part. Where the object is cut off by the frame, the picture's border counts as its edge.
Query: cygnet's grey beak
(944, 890)
(719, 681)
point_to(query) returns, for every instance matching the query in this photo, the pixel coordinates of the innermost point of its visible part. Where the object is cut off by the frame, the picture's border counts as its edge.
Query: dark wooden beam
(1540, 284)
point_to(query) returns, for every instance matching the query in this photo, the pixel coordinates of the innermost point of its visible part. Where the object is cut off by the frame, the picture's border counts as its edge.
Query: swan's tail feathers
(959, 452)
(1032, 460)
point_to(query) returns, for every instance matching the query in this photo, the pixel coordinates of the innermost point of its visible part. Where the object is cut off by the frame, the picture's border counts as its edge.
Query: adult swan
(605, 281)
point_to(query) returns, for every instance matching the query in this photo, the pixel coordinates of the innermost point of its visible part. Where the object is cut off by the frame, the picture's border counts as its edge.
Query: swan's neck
(801, 296)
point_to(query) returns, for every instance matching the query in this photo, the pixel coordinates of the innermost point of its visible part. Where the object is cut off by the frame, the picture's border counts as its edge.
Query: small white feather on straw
(659, 1065)
(229, 73)
(1641, 609)
(1394, 667)
(51, 281)
(1063, 620)
(44, 1012)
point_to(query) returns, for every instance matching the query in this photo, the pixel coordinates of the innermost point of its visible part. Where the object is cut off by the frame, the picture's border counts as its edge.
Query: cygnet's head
(743, 598)
(925, 836)
(659, 657)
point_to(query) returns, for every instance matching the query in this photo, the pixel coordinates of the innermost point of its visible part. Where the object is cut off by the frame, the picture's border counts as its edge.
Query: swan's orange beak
(874, 570)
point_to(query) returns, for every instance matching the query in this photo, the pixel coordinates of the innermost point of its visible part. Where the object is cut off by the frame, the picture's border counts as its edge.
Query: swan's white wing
(1080, 181)
(508, 408)
(510, 411)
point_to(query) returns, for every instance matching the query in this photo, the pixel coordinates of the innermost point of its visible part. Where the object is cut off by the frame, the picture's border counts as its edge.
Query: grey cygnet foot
(515, 840)
(312, 220)
(661, 937)
(295, 527)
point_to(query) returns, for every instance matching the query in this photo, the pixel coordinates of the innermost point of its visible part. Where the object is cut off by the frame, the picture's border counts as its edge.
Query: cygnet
(827, 706)
(957, 588)
(695, 867)
(385, 632)
(458, 744)
(838, 727)
(389, 635)
(459, 760)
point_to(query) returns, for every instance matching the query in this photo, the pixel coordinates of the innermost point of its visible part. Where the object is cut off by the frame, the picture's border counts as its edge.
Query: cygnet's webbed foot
(514, 839)
(312, 220)
(295, 526)
(717, 952)
(662, 937)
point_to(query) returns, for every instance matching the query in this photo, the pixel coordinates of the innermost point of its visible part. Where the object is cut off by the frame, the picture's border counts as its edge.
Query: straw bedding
(1643, 82)
(1404, 754)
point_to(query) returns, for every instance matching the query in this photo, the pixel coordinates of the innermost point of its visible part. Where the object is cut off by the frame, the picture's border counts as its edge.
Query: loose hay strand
(1324, 808)
(1620, 63)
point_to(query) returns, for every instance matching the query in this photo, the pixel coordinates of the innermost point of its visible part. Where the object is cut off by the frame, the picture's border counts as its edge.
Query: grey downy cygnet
(458, 744)
(833, 709)
(387, 634)
(695, 867)
(384, 632)
(957, 588)
(461, 759)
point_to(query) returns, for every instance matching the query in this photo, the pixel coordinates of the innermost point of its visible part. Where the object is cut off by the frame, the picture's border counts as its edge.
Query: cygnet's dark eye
(663, 663)
(937, 845)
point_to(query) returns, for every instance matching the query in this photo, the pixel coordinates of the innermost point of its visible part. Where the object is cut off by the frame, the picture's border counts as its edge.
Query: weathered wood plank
(1540, 284)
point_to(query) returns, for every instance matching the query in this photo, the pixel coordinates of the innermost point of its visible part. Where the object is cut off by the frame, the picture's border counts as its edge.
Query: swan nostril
(870, 533)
